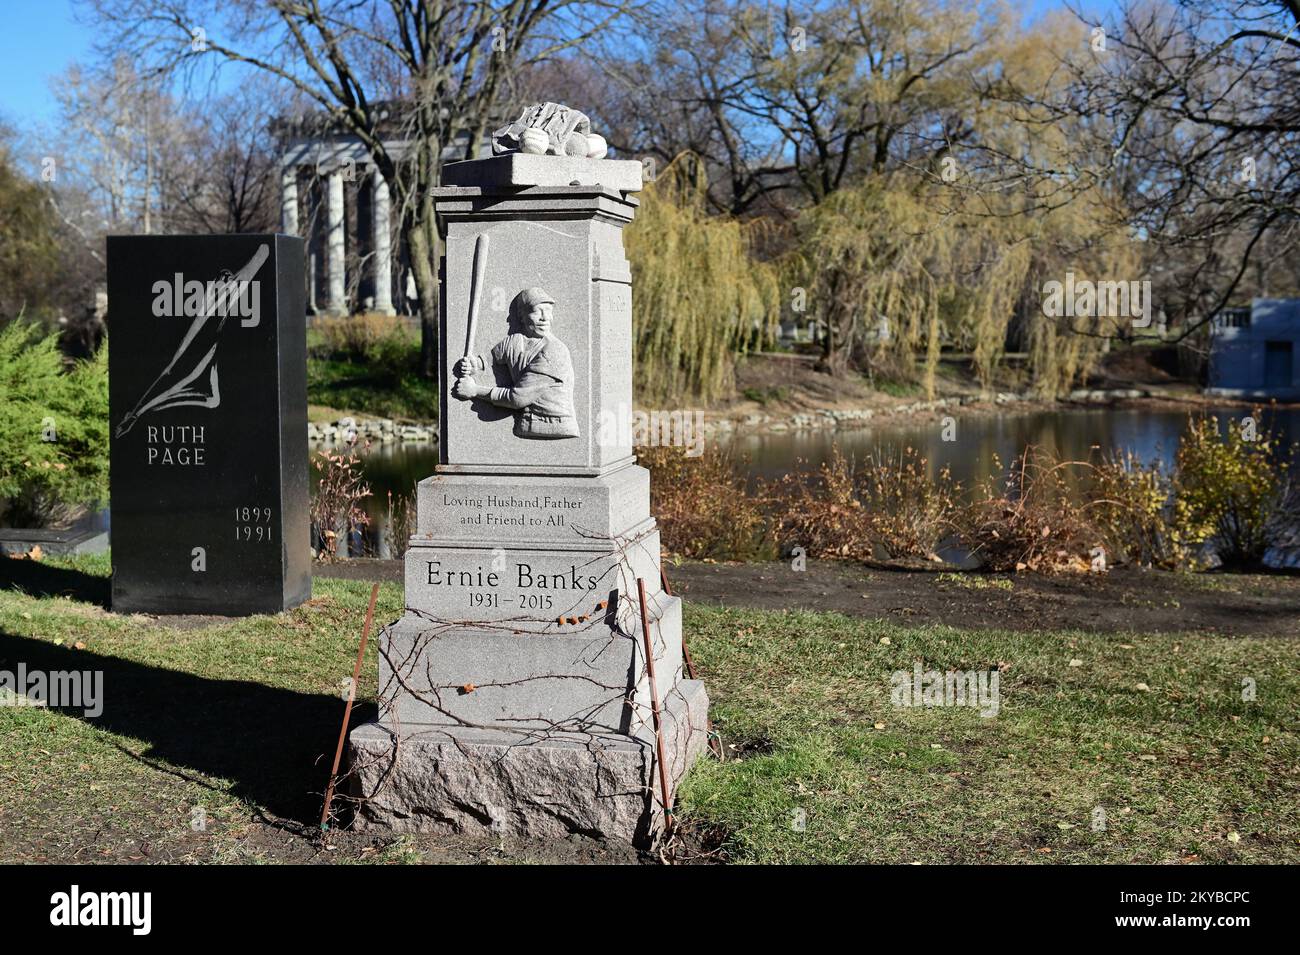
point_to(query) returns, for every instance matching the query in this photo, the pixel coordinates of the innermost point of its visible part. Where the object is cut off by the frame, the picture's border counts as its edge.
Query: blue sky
(39, 38)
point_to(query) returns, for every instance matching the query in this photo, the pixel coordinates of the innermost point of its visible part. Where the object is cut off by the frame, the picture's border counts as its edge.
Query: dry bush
(889, 501)
(1045, 514)
(336, 505)
(1034, 520)
(1128, 505)
(820, 512)
(360, 336)
(703, 506)
(401, 522)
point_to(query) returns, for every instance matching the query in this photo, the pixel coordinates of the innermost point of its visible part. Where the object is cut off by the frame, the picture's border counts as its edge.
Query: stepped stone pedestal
(514, 691)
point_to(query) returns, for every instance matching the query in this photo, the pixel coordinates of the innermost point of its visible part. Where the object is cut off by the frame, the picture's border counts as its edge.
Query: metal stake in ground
(654, 708)
(347, 710)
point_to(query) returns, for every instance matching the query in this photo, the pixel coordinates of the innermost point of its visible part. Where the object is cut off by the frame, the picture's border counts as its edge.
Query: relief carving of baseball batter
(539, 369)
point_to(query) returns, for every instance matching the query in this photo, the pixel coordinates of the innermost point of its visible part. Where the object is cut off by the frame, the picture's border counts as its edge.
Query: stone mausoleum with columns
(332, 195)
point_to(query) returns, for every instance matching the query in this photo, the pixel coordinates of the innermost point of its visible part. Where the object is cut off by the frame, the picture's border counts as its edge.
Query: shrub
(1232, 490)
(336, 505)
(1128, 503)
(820, 512)
(889, 501)
(369, 337)
(1034, 520)
(703, 506)
(401, 522)
(54, 430)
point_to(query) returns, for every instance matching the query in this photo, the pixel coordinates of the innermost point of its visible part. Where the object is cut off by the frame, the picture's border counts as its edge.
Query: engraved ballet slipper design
(195, 357)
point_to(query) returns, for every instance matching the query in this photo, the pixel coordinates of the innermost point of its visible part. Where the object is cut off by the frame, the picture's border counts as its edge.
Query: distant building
(1255, 352)
(325, 171)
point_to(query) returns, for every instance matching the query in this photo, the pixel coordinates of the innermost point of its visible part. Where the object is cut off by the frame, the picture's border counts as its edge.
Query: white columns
(380, 236)
(334, 245)
(289, 200)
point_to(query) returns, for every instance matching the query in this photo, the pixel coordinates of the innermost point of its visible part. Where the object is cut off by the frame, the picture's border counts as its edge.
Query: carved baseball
(534, 141)
(576, 145)
(597, 148)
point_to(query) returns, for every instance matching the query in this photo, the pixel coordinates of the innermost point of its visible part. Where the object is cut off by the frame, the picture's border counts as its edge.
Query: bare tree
(448, 63)
(787, 102)
(1190, 111)
(228, 179)
(118, 132)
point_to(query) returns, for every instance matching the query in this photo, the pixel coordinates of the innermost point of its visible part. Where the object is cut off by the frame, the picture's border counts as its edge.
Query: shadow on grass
(276, 746)
(37, 579)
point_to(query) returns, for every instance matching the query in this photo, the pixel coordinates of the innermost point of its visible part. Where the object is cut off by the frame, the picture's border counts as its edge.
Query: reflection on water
(1149, 434)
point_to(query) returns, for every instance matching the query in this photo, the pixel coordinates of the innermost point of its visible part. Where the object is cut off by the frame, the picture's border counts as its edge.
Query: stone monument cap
(517, 170)
(550, 144)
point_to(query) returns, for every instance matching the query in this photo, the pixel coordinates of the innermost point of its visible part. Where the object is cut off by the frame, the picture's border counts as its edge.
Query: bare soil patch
(1123, 600)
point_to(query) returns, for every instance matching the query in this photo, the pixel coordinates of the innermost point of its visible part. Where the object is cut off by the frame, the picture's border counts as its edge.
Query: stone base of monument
(525, 784)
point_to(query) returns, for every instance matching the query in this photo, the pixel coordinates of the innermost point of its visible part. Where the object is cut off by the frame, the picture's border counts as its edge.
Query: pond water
(1149, 434)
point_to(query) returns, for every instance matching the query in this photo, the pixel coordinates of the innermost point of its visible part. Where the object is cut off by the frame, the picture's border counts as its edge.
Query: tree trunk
(422, 240)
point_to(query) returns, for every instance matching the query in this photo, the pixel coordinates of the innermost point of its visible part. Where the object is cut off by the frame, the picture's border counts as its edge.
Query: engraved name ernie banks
(526, 578)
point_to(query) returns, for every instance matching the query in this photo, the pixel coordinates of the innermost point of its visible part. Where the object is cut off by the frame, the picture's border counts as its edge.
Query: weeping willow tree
(865, 257)
(1062, 349)
(1010, 257)
(895, 278)
(941, 268)
(702, 297)
(990, 267)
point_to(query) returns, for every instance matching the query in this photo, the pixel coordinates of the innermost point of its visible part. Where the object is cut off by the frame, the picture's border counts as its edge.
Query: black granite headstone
(208, 423)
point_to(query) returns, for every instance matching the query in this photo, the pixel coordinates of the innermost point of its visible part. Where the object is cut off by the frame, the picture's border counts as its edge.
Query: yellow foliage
(702, 297)
(1230, 487)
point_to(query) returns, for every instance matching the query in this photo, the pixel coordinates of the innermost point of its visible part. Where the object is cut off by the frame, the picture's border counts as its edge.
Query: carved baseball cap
(530, 297)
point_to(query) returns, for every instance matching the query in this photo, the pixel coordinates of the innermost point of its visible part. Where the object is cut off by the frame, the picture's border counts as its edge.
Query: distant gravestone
(208, 424)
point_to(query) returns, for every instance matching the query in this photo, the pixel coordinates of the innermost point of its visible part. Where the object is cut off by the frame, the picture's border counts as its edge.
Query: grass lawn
(239, 718)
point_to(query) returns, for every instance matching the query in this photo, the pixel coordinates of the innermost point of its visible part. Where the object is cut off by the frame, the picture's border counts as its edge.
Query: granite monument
(514, 692)
(208, 424)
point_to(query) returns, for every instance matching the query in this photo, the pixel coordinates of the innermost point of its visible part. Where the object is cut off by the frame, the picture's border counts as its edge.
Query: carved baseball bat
(476, 290)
